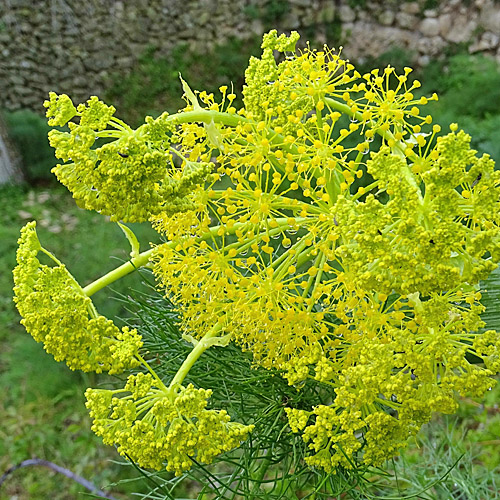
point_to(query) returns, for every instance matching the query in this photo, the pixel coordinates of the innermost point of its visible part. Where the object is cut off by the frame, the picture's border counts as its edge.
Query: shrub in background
(469, 91)
(154, 84)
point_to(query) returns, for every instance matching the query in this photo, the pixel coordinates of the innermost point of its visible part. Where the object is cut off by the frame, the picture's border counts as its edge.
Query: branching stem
(193, 356)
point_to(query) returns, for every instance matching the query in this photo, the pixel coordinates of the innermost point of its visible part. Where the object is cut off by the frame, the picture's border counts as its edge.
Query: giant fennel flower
(326, 227)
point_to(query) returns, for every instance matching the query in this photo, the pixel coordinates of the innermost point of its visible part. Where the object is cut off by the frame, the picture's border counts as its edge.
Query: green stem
(399, 147)
(366, 190)
(317, 263)
(318, 278)
(261, 472)
(193, 356)
(286, 258)
(208, 116)
(143, 258)
(161, 385)
(121, 271)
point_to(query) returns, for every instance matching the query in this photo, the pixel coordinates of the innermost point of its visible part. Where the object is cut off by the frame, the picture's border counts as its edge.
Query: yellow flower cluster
(131, 178)
(153, 424)
(371, 293)
(57, 312)
(430, 243)
(330, 254)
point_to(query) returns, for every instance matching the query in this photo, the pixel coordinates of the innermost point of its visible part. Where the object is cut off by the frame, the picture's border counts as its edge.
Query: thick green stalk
(143, 258)
(208, 116)
(198, 350)
(121, 271)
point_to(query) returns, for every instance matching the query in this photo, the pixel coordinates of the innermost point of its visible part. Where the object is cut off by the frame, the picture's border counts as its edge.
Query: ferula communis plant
(326, 227)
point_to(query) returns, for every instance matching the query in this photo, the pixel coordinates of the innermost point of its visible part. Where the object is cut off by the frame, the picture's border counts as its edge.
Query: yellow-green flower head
(60, 109)
(130, 178)
(295, 87)
(161, 427)
(388, 107)
(314, 274)
(329, 255)
(57, 313)
(413, 366)
(427, 244)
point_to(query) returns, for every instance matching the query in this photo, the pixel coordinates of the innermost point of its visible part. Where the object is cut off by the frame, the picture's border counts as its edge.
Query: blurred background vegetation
(42, 412)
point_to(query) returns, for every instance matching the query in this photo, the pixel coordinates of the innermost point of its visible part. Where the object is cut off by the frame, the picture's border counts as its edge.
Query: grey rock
(368, 39)
(301, 3)
(386, 18)
(327, 13)
(102, 61)
(23, 90)
(123, 62)
(489, 18)
(445, 24)
(431, 46)
(308, 18)
(80, 81)
(346, 14)
(16, 80)
(424, 60)
(410, 7)
(461, 30)
(406, 21)
(429, 27)
(291, 20)
(36, 78)
(19, 4)
(488, 41)
(204, 18)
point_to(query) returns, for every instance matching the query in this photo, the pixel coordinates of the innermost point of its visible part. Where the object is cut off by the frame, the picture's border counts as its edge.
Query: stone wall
(425, 32)
(74, 46)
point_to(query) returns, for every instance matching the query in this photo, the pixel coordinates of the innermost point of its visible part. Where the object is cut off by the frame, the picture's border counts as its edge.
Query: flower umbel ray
(334, 258)
(57, 312)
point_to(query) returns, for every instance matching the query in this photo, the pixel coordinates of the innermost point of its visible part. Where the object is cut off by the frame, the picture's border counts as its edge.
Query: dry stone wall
(74, 46)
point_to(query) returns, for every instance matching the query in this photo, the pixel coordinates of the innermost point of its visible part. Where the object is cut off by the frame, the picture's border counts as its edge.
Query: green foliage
(154, 84)
(273, 11)
(270, 463)
(469, 94)
(430, 4)
(395, 56)
(443, 464)
(28, 131)
(469, 85)
(357, 3)
(270, 12)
